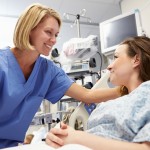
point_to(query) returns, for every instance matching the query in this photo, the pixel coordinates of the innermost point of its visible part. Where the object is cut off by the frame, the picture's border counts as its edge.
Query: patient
(122, 123)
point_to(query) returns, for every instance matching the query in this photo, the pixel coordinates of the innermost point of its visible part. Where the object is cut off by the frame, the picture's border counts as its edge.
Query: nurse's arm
(92, 95)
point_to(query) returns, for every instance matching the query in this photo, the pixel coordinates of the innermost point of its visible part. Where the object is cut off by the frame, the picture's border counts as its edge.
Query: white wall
(143, 6)
(7, 25)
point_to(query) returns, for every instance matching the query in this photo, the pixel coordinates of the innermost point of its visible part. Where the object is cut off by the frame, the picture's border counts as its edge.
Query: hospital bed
(81, 113)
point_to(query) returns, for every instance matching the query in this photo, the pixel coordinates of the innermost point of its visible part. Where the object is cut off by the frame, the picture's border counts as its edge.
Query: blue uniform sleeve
(59, 85)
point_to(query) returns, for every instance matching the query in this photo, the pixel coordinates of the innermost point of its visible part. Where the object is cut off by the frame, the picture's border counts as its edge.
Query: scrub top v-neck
(20, 79)
(21, 98)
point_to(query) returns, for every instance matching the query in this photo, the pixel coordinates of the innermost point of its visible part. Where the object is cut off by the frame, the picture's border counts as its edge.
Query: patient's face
(121, 69)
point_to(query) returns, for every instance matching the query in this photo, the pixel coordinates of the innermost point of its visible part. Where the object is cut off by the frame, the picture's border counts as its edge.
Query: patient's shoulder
(146, 83)
(145, 86)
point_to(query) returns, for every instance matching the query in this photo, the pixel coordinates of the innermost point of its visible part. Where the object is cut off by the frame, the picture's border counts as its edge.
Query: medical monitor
(115, 30)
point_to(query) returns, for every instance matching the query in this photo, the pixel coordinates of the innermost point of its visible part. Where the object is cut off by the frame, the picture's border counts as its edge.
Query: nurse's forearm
(92, 95)
(104, 94)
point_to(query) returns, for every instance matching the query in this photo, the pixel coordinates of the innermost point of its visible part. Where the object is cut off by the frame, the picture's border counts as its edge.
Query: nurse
(26, 78)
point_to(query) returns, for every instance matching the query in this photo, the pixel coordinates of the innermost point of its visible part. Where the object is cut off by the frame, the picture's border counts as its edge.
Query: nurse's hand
(54, 136)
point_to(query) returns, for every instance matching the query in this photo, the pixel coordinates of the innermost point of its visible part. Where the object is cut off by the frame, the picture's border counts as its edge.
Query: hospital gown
(21, 98)
(126, 118)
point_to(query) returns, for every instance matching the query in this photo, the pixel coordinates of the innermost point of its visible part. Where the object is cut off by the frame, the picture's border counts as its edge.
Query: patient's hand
(53, 137)
(63, 125)
(57, 137)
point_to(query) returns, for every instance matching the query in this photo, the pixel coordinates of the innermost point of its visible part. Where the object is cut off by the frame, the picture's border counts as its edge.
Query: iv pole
(77, 20)
(78, 25)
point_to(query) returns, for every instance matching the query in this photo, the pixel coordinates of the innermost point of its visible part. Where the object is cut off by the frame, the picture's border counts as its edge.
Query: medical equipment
(116, 29)
(81, 112)
(48, 118)
(76, 67)
(80, 48)
(42, 119)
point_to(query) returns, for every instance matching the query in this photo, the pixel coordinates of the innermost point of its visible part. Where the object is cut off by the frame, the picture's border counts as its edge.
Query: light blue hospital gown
(127, 118)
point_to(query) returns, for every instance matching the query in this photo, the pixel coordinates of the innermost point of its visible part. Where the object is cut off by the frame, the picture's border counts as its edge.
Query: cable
(57, 62)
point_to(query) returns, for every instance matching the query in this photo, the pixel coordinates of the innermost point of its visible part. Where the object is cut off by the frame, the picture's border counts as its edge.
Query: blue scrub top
(21, 98)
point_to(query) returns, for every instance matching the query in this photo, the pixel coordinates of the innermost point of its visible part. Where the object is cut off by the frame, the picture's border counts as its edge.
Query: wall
(7, 25)
(143, 6)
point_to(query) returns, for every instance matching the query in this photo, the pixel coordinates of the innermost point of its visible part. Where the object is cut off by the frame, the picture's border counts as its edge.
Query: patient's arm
(59, 137)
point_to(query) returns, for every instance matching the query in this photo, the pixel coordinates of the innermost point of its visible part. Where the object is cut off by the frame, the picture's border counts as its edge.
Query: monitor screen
(115, 30)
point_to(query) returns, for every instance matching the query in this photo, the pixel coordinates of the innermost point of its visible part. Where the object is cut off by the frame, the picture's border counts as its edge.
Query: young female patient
(122, 123)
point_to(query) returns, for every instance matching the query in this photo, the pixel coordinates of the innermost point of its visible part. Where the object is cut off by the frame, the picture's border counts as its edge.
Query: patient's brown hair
(139, 45)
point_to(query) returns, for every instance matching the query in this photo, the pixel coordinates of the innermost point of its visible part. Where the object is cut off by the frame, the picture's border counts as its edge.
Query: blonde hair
(31, 17)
